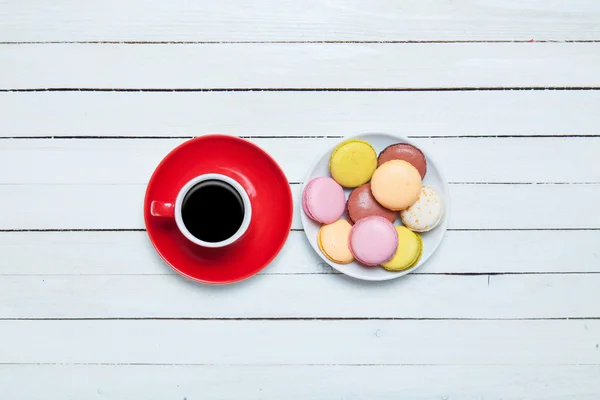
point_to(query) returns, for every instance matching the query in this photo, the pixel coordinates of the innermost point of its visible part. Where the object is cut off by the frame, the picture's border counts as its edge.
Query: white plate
(431, 239)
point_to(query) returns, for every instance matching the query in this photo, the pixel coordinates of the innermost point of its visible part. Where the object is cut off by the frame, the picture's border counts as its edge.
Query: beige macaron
(396, 185)
(426, 213)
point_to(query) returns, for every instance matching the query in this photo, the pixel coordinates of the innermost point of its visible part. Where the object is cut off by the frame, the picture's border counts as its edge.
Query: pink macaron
(373, 240)
(323, 200)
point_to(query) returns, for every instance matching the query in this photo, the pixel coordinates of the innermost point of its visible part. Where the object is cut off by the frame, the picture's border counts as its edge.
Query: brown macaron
(362, 204)
(405, 152)
(347, 215)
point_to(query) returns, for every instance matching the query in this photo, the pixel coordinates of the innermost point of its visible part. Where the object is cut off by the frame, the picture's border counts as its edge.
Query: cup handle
(161, 209)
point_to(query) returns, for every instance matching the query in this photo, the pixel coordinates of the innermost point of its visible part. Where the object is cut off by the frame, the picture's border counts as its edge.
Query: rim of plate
(443, 226)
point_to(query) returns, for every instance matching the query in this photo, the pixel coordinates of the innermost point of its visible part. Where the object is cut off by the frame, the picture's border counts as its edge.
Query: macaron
(426, 213)
(352, 163)
(323, 200)
(362, 204)
(396, 185)
(373, 240)
(333, 241)
(347, 215)
(406, 152)
(408, 253)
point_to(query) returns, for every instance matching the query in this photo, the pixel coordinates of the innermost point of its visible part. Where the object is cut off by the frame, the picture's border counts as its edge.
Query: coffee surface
(212, 211)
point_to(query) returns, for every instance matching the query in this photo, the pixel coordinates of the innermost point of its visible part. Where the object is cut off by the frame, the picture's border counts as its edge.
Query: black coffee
(212, 211)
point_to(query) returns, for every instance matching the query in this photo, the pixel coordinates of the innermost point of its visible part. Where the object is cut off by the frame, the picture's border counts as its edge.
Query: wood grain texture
(473, 206)
(463, 252)
(143, 382)
(268, 66)
(301, 296)
(422, 382)
(294, 342)
(130, 161)
(309, 20)
(109, 114)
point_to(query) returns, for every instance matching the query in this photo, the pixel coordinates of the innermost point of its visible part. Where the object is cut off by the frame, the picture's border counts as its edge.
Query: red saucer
(266, 185)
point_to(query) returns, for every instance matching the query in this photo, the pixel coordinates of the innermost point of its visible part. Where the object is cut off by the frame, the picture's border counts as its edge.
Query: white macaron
(426, 213)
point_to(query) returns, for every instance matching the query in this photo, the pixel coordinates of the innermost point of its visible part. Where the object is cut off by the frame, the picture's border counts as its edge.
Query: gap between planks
(301, 230)
(488, 274)
(299, 89)
(299, 365)
(166, 137)
(167, 42)
(300, 183)
(296, 319)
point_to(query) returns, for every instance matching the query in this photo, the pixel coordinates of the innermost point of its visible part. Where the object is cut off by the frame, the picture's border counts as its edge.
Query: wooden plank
(286, 113)
(296, 342)
(131, 161)
(301, 296)
(423, 382)
(130, 253)
(473, 206)
(137, 20)
(320, 65)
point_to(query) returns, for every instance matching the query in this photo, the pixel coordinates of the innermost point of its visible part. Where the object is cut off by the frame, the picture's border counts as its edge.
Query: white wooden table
(506, 94)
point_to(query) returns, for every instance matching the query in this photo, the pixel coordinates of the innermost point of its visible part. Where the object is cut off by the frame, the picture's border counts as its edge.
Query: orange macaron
(396, 185)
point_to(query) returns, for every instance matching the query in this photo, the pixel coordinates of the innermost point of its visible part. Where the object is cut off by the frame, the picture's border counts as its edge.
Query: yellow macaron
(352, 163)
(333, 241)
(410, 248)
(396, 185)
